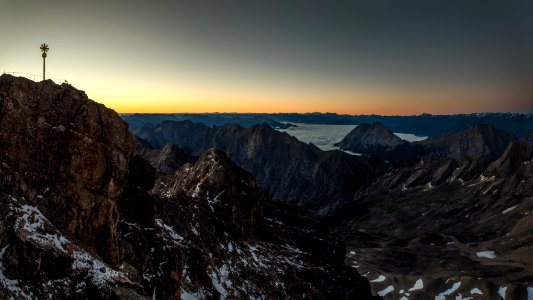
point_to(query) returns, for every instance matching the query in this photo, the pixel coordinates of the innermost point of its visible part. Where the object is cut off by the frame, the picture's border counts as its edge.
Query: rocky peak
(372, 139)
(516, 167)
(58, 145)
(230, 191)
(167, 159)
(239, 243)
(480, 142)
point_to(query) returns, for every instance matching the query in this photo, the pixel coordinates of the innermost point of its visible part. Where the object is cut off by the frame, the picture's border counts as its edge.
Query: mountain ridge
(289, 169)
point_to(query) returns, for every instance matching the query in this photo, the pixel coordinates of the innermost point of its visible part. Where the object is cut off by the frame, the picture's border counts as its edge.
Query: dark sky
(390, 57)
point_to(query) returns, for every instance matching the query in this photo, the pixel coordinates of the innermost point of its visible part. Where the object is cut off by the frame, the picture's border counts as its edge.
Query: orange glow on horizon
(369, 101)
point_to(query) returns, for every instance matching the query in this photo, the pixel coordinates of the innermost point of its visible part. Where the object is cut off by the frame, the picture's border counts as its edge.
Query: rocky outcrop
(230, 191)
(516, 167)
(66, 155)
(370, 139)
(288, 169)
(167, 159)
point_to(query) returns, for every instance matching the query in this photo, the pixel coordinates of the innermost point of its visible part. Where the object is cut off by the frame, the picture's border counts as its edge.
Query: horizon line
(322, 113)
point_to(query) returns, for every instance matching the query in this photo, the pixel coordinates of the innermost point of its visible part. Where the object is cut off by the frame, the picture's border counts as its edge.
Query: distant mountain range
(479, 142)
(137, 121)
(421, 125)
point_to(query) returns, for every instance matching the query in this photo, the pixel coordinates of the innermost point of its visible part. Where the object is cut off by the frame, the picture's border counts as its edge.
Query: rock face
(480, 142)
(289, 169)
(370, 139)
(57, 145)
(167, 159)
(215, 234)
(455, 222)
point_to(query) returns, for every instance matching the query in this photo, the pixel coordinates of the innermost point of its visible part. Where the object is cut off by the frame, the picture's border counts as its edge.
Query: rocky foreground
(82, 217)
(453, 224)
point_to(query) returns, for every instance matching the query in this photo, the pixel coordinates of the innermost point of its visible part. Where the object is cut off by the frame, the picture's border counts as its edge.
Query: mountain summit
(366, 138)
(479, 142)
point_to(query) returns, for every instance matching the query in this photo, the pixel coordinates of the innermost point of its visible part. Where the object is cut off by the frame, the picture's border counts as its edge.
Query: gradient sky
(355, 57)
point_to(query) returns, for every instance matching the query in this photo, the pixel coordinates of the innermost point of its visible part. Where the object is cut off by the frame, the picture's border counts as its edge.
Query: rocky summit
(479, 142)
(65, 155)
(370, 139)
(85, 218)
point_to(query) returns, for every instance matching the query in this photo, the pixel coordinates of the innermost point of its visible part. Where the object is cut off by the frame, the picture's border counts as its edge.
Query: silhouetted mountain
(289, 169)
(480, 142)
(167, 159)
(421, 125)
(137, 121)
(370, 139)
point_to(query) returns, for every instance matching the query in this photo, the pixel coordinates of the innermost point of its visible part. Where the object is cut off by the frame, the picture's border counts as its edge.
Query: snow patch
(189, 296)
(486, 254)
(419, 284)
(168, 231)
(501, 291)
(381, 278)
(221, 282)
(530, 293)
(509, 209)
(476, 291)
(386, 290)
(442, 296)
(98, 272)
(213, 201)
(31, 220)
(11, 285)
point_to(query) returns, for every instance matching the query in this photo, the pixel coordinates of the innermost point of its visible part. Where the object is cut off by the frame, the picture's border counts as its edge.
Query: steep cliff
(66, 155)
